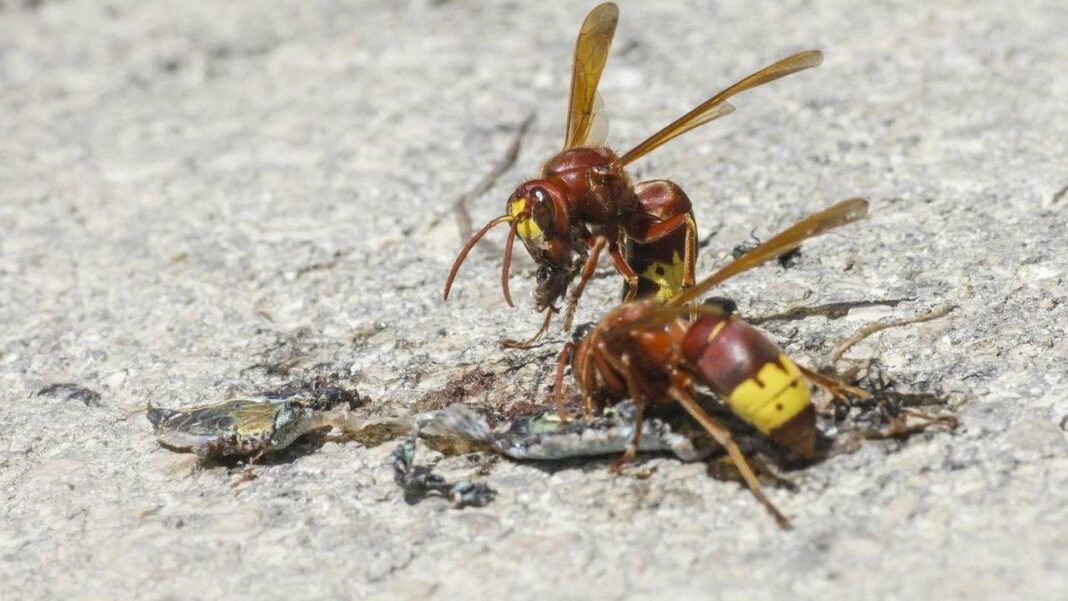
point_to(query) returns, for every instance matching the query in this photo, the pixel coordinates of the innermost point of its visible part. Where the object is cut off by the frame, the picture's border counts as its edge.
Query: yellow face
(769, 399)
(542, 223)
(532, 210)
(529, 231)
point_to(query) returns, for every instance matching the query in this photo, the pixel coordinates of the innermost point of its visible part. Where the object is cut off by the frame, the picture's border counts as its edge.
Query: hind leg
(722, 435)
(662, 240)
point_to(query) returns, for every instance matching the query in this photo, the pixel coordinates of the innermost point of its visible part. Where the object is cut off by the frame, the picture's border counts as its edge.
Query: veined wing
(717, 106)
(591, 53)
(837, 215)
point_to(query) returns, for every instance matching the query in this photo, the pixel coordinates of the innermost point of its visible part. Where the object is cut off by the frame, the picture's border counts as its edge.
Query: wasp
(658, 353)
(584, 202)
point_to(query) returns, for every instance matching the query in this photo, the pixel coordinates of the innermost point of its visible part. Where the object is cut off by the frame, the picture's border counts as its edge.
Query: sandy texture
(203, 198)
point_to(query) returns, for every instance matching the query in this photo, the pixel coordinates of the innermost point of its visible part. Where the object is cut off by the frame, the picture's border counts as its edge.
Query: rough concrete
(190, 191)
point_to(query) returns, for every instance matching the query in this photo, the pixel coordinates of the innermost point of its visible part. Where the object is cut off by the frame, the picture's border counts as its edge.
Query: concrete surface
(192, 191)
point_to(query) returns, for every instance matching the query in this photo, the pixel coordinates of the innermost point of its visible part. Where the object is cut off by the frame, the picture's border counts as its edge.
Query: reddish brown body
(736, 353)
(583, 202)
(598, 193)
(652, 353)
(658, 364)
(657, 241)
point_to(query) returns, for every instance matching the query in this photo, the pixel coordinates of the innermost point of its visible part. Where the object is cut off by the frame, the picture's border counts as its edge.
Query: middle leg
(623, 365)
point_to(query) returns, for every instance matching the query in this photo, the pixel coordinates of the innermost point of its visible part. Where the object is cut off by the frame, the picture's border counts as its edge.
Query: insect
(654, 354)
(887, 412)
(584, 202)
(251, 426)
(545, 436)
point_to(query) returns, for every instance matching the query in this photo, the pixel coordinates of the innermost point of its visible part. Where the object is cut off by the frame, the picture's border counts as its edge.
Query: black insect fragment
(419, 482)
(69, 391)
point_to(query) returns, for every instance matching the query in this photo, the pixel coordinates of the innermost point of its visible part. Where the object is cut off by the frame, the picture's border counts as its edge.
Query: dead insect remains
(419, 482)
(546, 437)
(251, 426)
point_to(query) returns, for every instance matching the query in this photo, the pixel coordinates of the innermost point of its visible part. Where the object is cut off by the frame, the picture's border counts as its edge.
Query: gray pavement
(199, 199)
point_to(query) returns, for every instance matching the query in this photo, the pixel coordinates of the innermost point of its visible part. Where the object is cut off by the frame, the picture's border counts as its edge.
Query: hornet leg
(662, 240)
(723, 436)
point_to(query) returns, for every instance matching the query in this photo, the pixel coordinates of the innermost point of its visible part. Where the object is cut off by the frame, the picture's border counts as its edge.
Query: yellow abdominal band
(772, 397)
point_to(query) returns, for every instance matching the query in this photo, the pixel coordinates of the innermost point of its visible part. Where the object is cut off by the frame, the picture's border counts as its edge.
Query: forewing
(598, 134)
(591, 53)
(842, 213)
(716, 106)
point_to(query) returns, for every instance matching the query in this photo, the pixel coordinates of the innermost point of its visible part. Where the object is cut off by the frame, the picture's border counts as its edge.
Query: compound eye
(542, 210)
(539, 195)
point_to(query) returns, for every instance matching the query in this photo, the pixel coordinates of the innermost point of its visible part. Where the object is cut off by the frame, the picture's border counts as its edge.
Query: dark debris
(888, 412)
(786, 260)
(471, 383)
(829, 310)
(317, 394)
(419, 482)
(67, 391)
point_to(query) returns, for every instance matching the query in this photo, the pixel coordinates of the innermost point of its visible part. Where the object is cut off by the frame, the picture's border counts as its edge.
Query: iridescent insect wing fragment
(256, 418)
(220, 429)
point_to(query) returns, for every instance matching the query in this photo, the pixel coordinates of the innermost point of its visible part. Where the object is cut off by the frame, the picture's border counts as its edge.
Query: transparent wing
(591, 53)
(220, 418)
(846, 211)
(256, 418)
(598, 134)
(716, 106)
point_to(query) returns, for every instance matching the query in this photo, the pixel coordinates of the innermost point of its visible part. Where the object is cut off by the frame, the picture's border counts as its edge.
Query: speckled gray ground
(189, 190)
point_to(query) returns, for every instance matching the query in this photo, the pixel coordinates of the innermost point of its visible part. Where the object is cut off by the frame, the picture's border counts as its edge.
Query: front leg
(558, 382)
(588, 269)
(511, 343)
(624, 365)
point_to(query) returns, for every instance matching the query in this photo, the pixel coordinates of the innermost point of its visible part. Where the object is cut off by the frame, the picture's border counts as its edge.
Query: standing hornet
(654, 354)
(584, 201)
